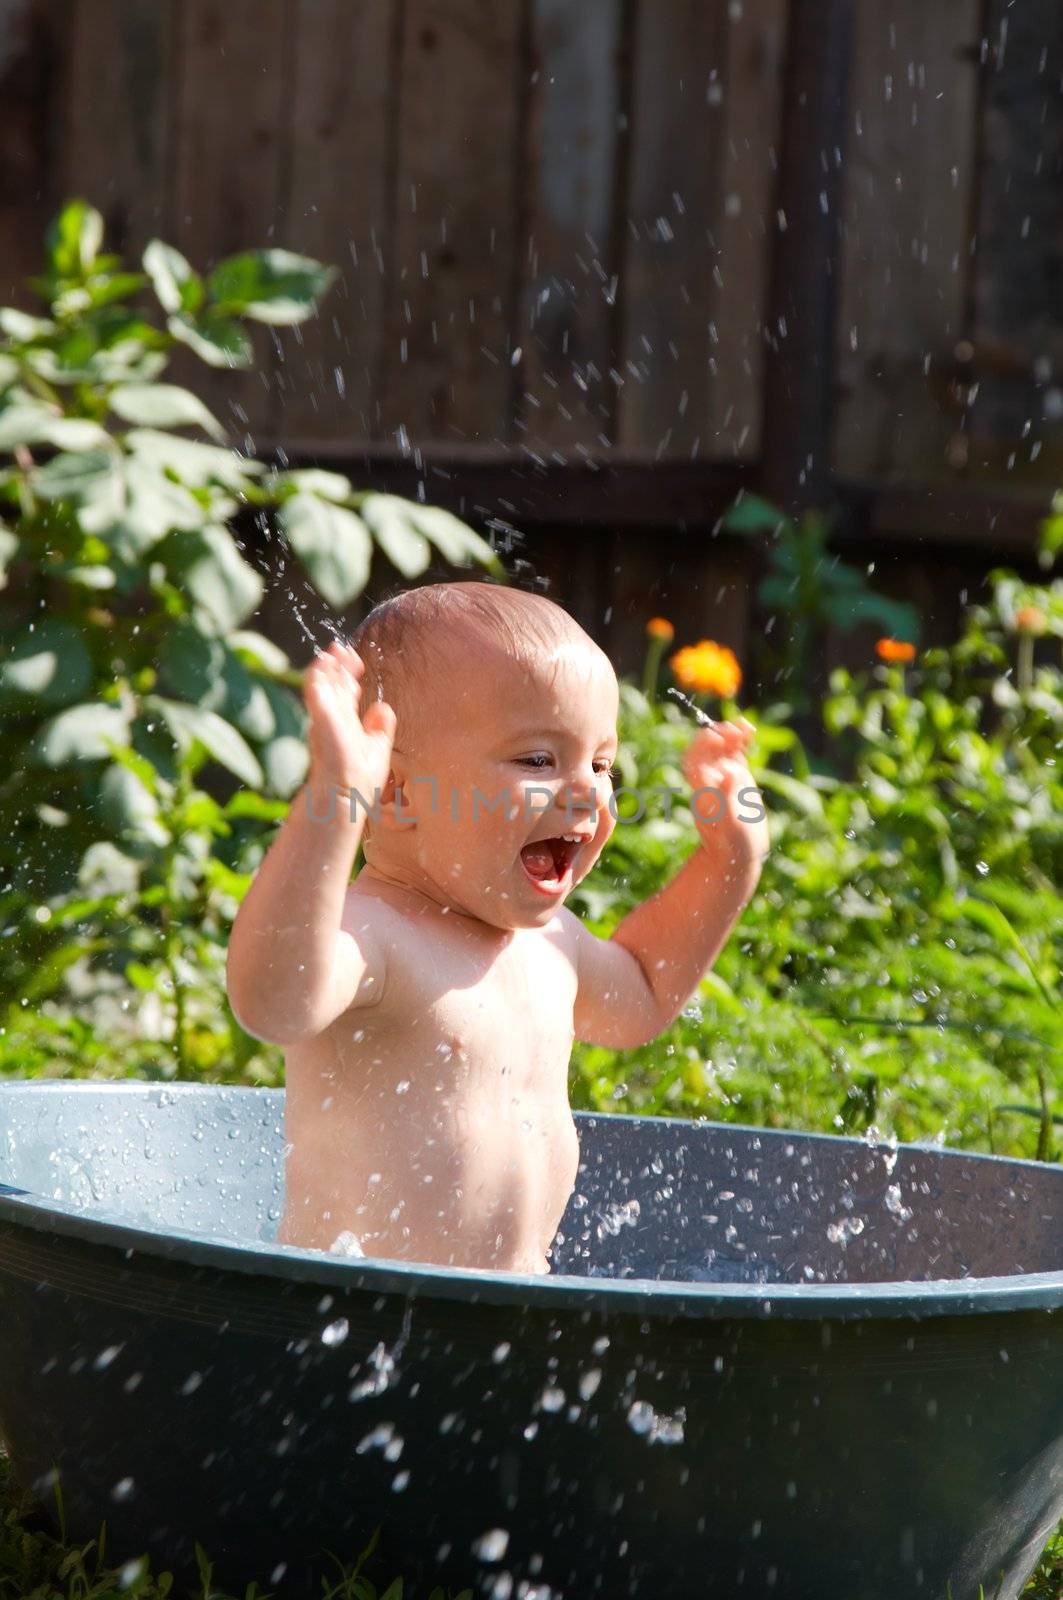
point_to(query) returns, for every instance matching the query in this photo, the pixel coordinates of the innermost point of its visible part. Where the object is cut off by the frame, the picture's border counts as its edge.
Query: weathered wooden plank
(119, 58)
(672, 248)
(231, 121)
(336, 210)
(1018, 329)
(799, 364)
(451, 268)
(31, 97)
(909, 167)
(745, 225)
(568, 287)
(702, 586)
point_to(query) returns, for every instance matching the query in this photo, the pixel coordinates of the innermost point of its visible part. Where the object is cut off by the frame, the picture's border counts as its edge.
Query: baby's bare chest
(509, 1018)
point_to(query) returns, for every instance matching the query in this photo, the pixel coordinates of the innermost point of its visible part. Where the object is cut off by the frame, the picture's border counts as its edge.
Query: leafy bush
(127, 670)
(810, 588)
(899, 964)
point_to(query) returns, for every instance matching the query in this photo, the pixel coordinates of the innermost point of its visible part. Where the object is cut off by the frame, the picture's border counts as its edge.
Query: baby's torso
(435, 1126)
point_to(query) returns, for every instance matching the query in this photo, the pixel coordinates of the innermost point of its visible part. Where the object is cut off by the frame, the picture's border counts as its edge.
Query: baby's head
(506, 732)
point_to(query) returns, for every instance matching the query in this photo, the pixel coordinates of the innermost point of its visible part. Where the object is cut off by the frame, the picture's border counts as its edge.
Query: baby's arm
(634, 985)
(296, 962)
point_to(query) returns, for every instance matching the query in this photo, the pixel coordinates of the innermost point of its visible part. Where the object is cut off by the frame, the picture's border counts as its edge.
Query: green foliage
(899, 963)
(128, 673)
(810, 588)
(34, 1565)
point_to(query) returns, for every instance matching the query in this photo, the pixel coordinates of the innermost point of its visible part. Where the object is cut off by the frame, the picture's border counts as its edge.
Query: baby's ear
(394, 798)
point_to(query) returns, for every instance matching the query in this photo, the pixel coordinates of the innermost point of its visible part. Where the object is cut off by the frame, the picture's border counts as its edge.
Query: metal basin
(768, 1363)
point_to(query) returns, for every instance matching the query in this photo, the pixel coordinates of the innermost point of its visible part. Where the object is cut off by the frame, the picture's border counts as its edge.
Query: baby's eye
(606, 767)
(536, 762)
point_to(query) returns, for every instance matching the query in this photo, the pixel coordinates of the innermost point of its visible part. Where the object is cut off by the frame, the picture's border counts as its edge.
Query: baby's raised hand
(731, 820)
(347, 751)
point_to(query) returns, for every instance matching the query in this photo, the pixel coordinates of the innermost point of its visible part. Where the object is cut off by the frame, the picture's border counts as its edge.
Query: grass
(36, 1566)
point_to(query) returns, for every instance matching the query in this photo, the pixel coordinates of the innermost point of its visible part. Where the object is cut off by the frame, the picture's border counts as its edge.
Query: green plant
(898, 965)
(130, 683)
(36, 1566)
(809, 587)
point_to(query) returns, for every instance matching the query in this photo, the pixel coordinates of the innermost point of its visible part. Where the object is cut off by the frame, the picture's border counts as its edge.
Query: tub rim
(664, 1298)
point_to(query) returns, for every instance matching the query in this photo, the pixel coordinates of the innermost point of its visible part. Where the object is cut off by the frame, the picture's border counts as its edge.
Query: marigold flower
(1031, 619)
(660, 628)
(707, 668)
(895, 650)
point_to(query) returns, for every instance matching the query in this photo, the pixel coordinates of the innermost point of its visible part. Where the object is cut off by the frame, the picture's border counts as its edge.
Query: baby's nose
(582, 795)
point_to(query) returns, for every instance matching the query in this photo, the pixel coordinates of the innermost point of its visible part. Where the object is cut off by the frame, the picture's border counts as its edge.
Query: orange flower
(707, 668)
(660, 628)
(1031, 619)
(895, 650)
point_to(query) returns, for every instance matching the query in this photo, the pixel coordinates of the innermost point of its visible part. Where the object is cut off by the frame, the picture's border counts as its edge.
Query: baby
(427, 1010)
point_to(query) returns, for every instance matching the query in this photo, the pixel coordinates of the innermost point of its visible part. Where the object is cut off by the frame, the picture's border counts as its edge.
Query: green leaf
(286, 761)
(800, 795)
(216, 339)
(270, 285)
(751, 514)
(285, 757)
(19, 325)
(154, 506)
(456, 542)
(92, 480)
(313, 480)
(163, 405)
(897, 616)
(178, 287)
(49, 662)
(247, 804)
(104, 870)
(128, 808)
(407, 550)
(258, 651)
(73, 239)
(84, 733)
(216, 576)
(198, 465)
(218, 737)
(33, 422)
(191, 666)
(9, 548)
(332, 543)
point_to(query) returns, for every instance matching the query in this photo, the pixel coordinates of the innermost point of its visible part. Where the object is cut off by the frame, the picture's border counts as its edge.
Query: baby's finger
(380, 721)
(348, 657)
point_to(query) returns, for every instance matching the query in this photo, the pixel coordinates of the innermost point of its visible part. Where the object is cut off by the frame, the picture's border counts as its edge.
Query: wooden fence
(556, 223)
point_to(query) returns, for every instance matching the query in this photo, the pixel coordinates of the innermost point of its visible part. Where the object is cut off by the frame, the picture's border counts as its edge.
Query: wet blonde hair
(413, 640)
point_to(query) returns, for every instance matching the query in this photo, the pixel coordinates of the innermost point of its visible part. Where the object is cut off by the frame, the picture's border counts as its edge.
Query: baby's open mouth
(549, 862)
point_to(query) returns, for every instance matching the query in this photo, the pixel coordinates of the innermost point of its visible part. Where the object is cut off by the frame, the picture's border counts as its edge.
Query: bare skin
(428, 1009)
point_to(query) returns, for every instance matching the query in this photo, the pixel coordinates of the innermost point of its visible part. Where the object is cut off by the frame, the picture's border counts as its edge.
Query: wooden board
(115, 150)
(231, 123)
(451, 270)
(906, 248)
(702, 586)
(1015, 426)
(745, 224)
(568, 274)
(32, 88)
(343, 127)
(672, 206)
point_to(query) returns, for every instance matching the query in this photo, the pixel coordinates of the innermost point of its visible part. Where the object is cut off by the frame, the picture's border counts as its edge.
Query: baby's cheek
(606, 823)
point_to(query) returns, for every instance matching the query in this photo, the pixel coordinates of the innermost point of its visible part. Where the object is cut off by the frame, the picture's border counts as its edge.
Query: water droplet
(492, 1545)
